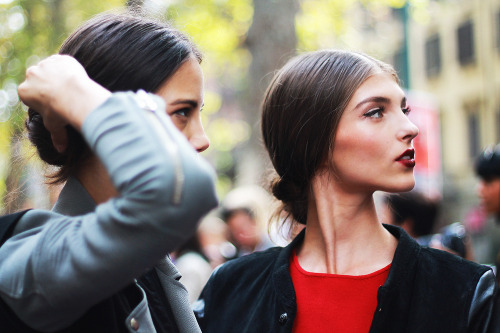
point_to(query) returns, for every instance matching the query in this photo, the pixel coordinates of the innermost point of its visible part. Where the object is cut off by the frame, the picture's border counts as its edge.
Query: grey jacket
(60, 263)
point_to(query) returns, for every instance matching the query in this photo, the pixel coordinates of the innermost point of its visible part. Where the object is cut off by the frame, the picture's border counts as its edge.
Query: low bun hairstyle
(301, 111)
(121, 52)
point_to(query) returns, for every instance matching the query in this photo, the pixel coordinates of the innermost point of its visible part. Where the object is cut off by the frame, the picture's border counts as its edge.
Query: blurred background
(447, 53)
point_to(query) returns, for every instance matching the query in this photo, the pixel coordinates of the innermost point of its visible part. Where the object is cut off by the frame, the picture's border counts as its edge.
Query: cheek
(495, 192)
(490, 194)
(179, 122)
(358, 148)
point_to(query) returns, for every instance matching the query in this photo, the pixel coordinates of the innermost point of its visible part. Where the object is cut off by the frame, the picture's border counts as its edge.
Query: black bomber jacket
(426, 291)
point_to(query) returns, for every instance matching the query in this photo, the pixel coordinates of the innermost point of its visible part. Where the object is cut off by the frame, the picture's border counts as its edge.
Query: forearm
(77, 102)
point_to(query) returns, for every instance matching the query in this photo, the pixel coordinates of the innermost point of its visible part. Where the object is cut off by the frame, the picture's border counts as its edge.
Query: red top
(335, 303)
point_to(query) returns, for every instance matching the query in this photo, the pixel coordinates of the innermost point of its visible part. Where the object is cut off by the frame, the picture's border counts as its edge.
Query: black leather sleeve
(484, 310)
(494, 325)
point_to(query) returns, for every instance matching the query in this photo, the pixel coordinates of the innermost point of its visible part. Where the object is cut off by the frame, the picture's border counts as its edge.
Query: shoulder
(236, 286)
(251, 263)
(451, 264)
(432, 265)
(449, 273)
(257, 266)
(33, 219)
(462, 282)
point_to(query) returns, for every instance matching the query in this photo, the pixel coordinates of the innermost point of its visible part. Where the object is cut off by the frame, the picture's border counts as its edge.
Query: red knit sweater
(335, 303)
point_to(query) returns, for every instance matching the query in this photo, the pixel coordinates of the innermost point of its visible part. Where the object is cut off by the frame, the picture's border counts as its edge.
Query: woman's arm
(61, 91)
(52, 274)
(484, 309)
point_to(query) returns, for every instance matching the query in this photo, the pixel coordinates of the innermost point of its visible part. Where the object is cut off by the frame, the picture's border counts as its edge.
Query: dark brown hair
(121, 52)
(413, 206)
(300, 115)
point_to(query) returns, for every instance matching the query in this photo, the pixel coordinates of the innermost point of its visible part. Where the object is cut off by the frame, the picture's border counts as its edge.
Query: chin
(401, 187)
(408, 188)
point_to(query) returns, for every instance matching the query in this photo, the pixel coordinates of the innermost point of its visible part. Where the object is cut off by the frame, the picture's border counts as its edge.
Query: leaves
(32, 29)
(29, 31)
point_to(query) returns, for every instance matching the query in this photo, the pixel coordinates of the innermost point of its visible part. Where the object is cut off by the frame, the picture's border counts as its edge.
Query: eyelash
(406, 110)
(373, 112)
(184, 110)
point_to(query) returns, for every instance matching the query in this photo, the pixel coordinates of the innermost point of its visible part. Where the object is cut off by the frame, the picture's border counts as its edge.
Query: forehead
(380, 84)
(185, 83)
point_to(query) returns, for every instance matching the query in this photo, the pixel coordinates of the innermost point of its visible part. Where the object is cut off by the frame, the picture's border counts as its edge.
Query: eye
(181, 112)
(406, 110)
(374, 113)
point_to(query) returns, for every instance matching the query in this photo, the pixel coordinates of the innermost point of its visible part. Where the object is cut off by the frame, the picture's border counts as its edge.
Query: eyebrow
(191, 102)
(379, 99)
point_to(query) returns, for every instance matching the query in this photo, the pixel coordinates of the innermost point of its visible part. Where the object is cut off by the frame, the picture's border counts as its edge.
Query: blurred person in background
(418, 215)
(413, 212)
(488, 170)
(335, 124)
(213, 235)
(246, 210)
(135, 187)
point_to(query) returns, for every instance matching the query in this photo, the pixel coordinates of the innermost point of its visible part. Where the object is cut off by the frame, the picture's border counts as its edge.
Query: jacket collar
(402, 268)
(74, 199)
(281, 276)
(405, 261)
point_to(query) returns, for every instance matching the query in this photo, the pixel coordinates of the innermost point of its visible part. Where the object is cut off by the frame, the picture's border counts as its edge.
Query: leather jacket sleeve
(484, 312)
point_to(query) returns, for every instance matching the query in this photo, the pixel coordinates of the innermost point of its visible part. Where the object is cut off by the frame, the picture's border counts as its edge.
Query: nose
(408, 129)
(197, 136)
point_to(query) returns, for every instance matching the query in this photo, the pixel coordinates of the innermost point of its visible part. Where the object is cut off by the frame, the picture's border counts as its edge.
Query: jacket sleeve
(485, 311)
(51, 274)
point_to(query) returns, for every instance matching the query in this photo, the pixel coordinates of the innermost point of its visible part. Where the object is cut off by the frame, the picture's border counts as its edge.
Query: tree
(244, 42)
(271, 40)
(29, 31)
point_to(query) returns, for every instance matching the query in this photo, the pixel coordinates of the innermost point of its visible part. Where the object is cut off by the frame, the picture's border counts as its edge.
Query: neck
(343, 233)
(94, 177)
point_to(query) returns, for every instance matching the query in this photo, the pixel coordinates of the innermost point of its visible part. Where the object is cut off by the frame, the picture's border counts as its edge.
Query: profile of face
(341, 115)
(373, 144)
(489, 194)
(183, 95)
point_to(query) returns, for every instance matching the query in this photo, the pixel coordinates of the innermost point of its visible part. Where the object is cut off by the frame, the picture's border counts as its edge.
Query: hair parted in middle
(301, 111)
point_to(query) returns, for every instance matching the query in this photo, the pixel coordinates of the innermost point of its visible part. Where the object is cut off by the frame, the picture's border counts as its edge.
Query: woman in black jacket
(336, 128)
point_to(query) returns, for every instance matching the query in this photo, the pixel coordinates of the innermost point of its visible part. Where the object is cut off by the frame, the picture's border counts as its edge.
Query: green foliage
(332, 23)
(29, 31)
(219, 29)
(32, 29)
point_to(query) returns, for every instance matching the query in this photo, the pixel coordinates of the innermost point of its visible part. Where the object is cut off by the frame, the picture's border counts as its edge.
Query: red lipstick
(407, 158)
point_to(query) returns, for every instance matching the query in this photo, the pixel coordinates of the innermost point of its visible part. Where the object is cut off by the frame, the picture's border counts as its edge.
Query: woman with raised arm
(335, 124)
(135, 187)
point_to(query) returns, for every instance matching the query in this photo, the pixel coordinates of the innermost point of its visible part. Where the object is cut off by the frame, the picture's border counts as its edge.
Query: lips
(407, 158)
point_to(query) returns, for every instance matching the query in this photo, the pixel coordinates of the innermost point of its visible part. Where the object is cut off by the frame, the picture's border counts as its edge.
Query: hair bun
(40, 137)
(293, 196)
(284, 190)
